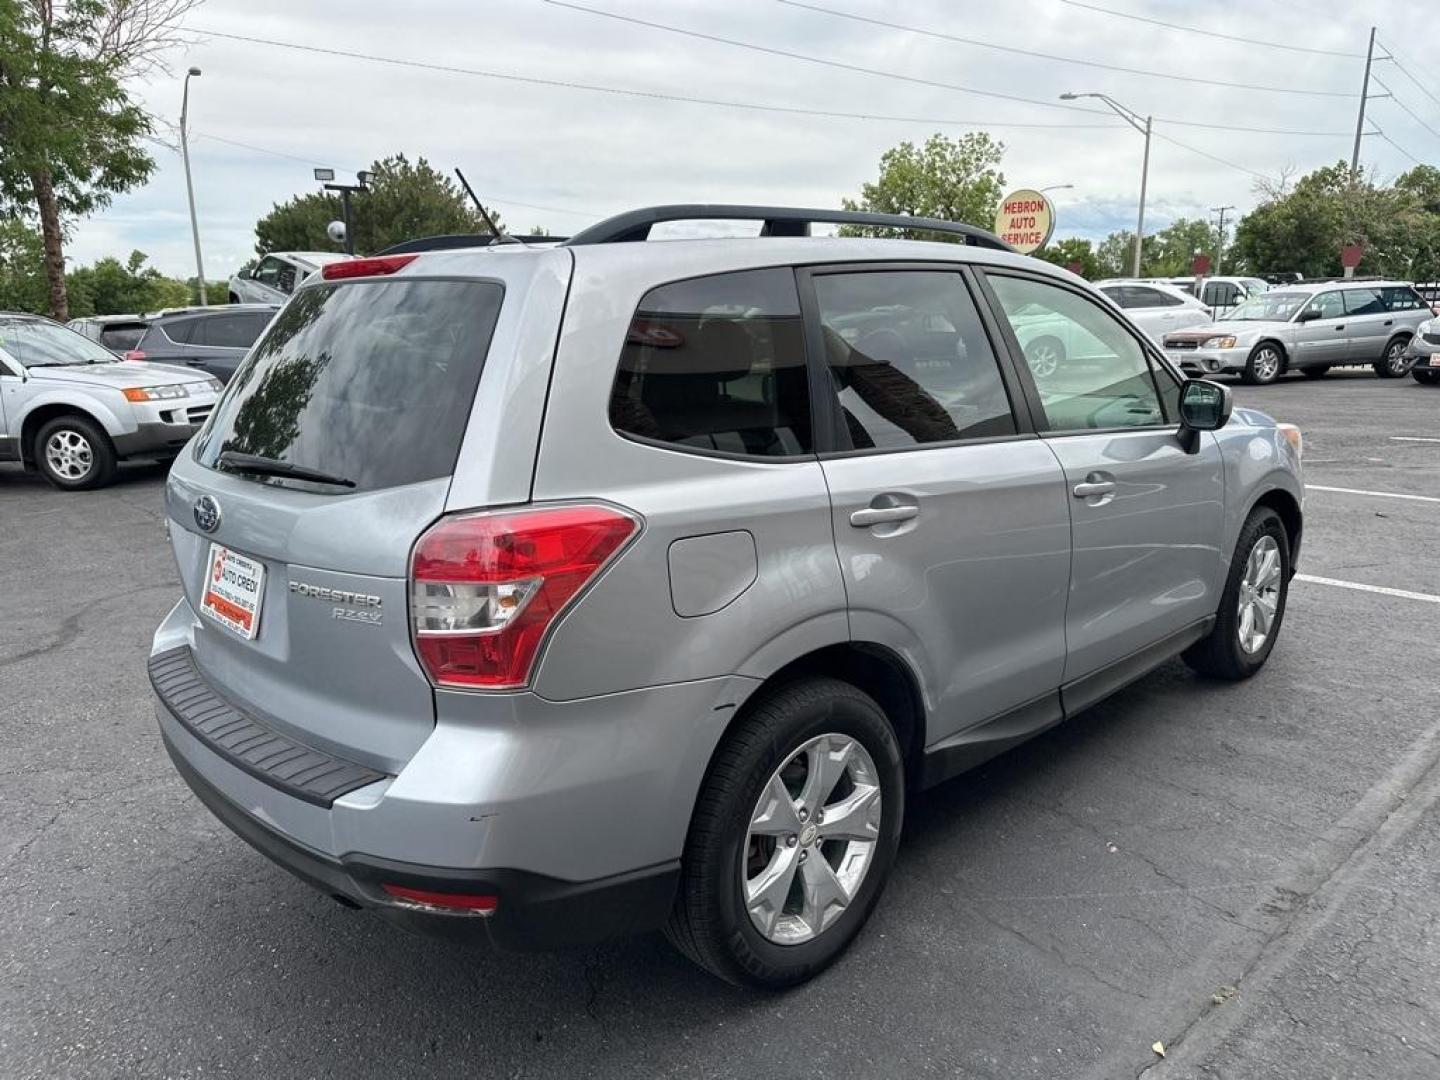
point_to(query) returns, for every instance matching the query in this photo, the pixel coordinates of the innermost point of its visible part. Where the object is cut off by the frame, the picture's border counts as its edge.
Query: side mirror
(1308, 315)
(244, 274)
(1204, 406)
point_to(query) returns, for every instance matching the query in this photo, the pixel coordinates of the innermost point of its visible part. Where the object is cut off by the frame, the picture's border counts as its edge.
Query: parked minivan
(553, 594)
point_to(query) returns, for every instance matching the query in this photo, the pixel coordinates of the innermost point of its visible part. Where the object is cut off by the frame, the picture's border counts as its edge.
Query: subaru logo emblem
(207, 513)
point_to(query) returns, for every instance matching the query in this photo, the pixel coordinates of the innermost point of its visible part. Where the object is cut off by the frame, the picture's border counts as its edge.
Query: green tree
(1073, 251)
(70, 138)
(404, 202)
(1115, 255)
(22, 268)
(952, 179)
(110, 287)
(1171, 251)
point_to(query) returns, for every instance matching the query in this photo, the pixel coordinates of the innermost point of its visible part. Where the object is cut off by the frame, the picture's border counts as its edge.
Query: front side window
(268, 272)
(909, 360)
(1364, 302)
(1090, 371)
(717, 364)
(1329, 305)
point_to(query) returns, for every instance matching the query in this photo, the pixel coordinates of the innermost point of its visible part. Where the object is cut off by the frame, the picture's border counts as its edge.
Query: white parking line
(1374, 494)
(1403, 594)
(1413, 438)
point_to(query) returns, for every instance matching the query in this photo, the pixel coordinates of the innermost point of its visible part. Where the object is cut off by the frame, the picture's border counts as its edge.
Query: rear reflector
(384, 264)
(486, 588)
(480, 905)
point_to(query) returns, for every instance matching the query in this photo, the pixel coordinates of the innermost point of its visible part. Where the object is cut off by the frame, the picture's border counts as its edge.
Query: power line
(1406, 108)
(1212, 157)
(683, 32)
(1396, 145)
(654, 95)
(1392, 58)
(1209, 33)
(1062, 59)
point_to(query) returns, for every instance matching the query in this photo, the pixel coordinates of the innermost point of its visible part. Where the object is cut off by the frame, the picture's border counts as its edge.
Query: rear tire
(1264, 366)
(1230, 650)
(1395, 364)
(727, 860)
(1425, 378)
(74, 454)
(1317, 372)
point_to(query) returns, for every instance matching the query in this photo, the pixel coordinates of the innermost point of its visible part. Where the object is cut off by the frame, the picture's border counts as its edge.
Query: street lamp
(1142, 125)
(1057, 187)
(327, 178)
(189, 186)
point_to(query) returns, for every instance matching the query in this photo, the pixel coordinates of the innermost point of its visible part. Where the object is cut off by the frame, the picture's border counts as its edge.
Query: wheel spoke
(855, 817)
(826, 762)
(1269, 568)
(765, 895)
(1262, 618)
(775, 814)
(822, 891)
(1247, 624)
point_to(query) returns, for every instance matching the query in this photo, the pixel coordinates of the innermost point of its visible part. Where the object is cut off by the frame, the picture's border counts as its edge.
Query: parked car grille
(1432, 339)
(198, 413)
(1181, 343)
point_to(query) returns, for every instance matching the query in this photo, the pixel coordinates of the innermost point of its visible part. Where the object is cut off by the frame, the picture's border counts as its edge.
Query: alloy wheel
(1259, 600)
(1395, 359)
(1044, 359)
(811, 839)
(1267, 365)
(69, 454)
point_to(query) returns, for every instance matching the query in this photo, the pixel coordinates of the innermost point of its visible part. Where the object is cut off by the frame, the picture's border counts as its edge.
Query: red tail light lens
(479, 905)
(383, 264)
(486, 588)
(134, 354)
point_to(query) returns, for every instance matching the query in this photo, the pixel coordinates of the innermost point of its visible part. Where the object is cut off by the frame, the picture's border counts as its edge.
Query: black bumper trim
(536, 912)
(151, 438)
(247, 743)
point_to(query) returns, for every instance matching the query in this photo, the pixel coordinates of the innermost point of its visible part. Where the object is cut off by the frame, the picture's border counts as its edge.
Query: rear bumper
(534, 912)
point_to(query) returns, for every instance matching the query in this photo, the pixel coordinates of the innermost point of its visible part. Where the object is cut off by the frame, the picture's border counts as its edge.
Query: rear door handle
(1340, 327)
(882, 515)
(1389, 322)
(1087, 488)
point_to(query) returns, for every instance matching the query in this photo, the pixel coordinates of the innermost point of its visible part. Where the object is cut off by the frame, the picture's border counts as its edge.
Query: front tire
(1264, 366)
(1395, 364)
(1252, 607)
(74, 454)
(792, 838)
(1425, 378)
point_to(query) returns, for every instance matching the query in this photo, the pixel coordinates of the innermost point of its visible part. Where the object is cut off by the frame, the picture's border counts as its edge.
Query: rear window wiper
(266, 466)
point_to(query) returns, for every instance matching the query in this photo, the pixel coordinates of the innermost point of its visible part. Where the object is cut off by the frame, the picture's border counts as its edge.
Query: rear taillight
(381, 264)
(134, 354)
(471, 903)
(486, 588)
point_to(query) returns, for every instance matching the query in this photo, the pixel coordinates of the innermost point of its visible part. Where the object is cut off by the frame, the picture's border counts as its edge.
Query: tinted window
(286, 278)
(1141, 297)
(1221, 293)
(237, 331)
(122, 337)
(1401, 298)
(181, 331)
(717, 363)
(369, 381)
(268, 272)
(1090, 371)
(909, 360)
(1364, 302)
(1329, 305)
(1120, 295)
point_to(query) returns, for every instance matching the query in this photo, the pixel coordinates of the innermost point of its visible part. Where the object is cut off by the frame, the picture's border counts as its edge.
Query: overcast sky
(576, 155)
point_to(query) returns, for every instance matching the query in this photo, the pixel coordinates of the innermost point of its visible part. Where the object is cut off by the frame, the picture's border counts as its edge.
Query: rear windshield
(122, 336)
(369, 381)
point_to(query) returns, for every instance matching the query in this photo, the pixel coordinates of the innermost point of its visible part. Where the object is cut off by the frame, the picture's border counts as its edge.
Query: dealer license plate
(234, 589)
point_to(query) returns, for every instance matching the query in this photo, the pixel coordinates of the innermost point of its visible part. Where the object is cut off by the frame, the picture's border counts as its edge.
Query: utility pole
(190, 187)
(1134, 119)
(1220, 245)
(1364, 98)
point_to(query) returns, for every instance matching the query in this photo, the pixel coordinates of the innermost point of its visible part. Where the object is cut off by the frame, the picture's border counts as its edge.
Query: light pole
(327, 178)
(1056, 187)
(1142, 125)
(1220, 232)
(189, 185)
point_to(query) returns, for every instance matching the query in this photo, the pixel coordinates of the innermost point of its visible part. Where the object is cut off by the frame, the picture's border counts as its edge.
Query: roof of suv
(210, 309)
(1342, 283)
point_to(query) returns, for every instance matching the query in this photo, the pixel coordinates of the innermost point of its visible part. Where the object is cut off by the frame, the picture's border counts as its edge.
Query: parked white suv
(1156, 307)
(278, 275)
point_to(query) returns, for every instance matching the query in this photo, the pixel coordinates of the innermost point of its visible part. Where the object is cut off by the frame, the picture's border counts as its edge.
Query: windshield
(1269, 307)
(37, 343)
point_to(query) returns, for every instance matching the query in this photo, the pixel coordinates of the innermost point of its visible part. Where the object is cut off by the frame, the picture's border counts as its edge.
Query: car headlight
(214, 385)
(1227, 342)
(155, 393)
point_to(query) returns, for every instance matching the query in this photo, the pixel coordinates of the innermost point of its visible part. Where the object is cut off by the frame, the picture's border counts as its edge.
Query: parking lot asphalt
(1246, 874)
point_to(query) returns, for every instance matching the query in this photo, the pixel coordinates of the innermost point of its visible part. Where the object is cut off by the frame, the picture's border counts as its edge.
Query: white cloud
(598, 153)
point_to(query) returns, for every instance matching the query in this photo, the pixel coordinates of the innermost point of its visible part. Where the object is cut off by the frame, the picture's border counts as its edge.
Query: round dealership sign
(1025, 220)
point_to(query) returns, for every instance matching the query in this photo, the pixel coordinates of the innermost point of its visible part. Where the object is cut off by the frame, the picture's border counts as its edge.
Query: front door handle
(1389, 322)
(1340, 327)
(1087, 488)
(883, 515)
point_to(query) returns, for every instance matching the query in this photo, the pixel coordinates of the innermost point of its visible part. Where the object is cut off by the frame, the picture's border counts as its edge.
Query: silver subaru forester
(555, 593)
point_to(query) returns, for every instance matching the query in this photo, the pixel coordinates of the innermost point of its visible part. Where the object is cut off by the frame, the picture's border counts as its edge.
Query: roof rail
(635, 225)
(451, 241)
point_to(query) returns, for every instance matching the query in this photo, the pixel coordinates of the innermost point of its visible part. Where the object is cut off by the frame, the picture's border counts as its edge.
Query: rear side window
(1402, 298)
(237, 331)
(1141, 297)
(370, 381)
(717, 364)
(181, 331)
(909, 360)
